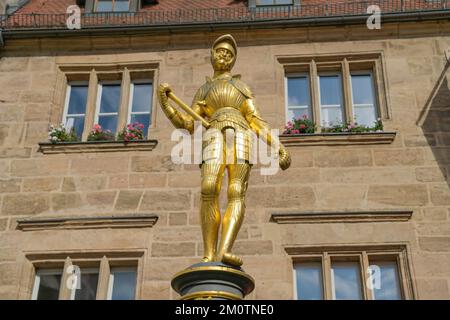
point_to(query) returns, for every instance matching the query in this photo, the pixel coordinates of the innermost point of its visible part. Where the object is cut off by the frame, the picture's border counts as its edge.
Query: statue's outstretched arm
(179, 120)
(262, 130)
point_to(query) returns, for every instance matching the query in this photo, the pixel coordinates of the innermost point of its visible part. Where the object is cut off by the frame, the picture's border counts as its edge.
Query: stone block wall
(410, 173)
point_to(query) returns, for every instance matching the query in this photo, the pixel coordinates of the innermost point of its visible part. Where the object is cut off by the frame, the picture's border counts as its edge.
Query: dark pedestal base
(212, 280)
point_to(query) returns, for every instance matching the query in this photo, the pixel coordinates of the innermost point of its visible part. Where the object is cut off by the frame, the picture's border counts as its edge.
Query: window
(111, 278)
(111, 96)
(75, 106)
(88, 285)
(112, 5)
(363, 98)
(108, 104)
(308, 279)
(334, 90)
(346, 281)
(47, 284)
(140, 102)
(297, 96)
(272, 2)
(330, 97)
(339, 275)
(122, 284)
(389, 286)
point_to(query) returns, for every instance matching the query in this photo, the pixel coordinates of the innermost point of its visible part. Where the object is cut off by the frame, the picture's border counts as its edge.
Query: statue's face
(222, 59)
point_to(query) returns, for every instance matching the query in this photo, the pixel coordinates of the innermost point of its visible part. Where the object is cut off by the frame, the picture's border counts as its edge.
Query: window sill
(336, 138)
(344, 216)
(96, 146)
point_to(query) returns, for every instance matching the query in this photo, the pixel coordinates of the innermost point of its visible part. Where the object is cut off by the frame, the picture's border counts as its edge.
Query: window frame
(37, 262)
(111, 280)
(309, 259)
(286, 93)
(113, 5)
(131, 99)
(37, 279)
(341, 106)
(97, 114)
(345, 64)
(365, 254)
(352, 258)
(257, 3)
(88, 270)
(67, 100)
(389, 258)
(374, 92)
(125, 72)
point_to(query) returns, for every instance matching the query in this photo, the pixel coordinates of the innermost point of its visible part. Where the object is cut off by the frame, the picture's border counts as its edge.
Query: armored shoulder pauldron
(235, 81)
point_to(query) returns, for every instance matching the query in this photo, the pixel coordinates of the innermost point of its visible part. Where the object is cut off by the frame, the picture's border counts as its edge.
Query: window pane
(330, 90)
(364, 115)
(142, 97)
(346, 281)
(283, 1)
(108, 123)
(297, 113)
(142, 118)
(77, 123)
(389, 288)
(362, 89)
(121, 5)
(363, 99)
(104, 6)
(309, 281)
(77, 100)
(89, 282)
(123, 284)
(298, 91)
(110, 99)
(265, 2)
(331, 116)
(49, 286)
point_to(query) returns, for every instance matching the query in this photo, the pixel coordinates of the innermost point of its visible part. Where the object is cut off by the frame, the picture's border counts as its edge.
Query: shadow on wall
(435, 122)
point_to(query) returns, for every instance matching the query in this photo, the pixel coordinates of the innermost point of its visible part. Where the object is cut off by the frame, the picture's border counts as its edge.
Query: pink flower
(289, 124)
(141, 126)
(97, 127)
(295, 131)
(305, 116)
(302, 126)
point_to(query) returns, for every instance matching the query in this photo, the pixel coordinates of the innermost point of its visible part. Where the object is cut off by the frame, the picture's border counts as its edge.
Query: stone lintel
(338, 138)
(96, 146)
(123, 221)
(344, 216)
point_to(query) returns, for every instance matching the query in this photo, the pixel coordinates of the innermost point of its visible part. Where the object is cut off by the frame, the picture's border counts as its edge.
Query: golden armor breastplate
(222, 94)
(223, 103)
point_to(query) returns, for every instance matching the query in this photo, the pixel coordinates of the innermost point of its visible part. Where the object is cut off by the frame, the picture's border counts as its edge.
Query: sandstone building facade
(128, 216)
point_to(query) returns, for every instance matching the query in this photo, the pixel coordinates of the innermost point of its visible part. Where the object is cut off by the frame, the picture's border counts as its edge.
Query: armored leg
(232, 220)
(212, 175)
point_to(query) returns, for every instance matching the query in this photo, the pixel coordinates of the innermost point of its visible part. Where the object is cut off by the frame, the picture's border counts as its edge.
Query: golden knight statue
(227, 103)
